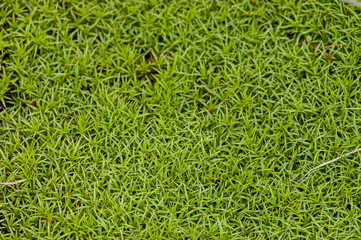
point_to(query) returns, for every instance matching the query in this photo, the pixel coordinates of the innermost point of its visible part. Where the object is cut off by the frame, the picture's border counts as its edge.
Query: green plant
(179, 119)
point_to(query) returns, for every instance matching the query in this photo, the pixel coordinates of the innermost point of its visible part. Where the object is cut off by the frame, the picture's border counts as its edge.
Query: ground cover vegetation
(179, 119)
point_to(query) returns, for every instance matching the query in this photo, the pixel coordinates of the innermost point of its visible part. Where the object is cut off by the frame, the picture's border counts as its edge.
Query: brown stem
(12, 183)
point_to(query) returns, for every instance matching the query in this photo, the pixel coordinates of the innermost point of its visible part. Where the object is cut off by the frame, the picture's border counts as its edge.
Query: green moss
(179, 119)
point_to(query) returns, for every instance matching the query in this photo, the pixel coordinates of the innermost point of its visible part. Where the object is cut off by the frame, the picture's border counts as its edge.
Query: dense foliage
(179, 119)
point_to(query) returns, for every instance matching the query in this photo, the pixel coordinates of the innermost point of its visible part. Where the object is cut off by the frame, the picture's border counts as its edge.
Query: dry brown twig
(334, 45)
(12, 183)
(352, 2)
(328, 162)
(324, 53)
